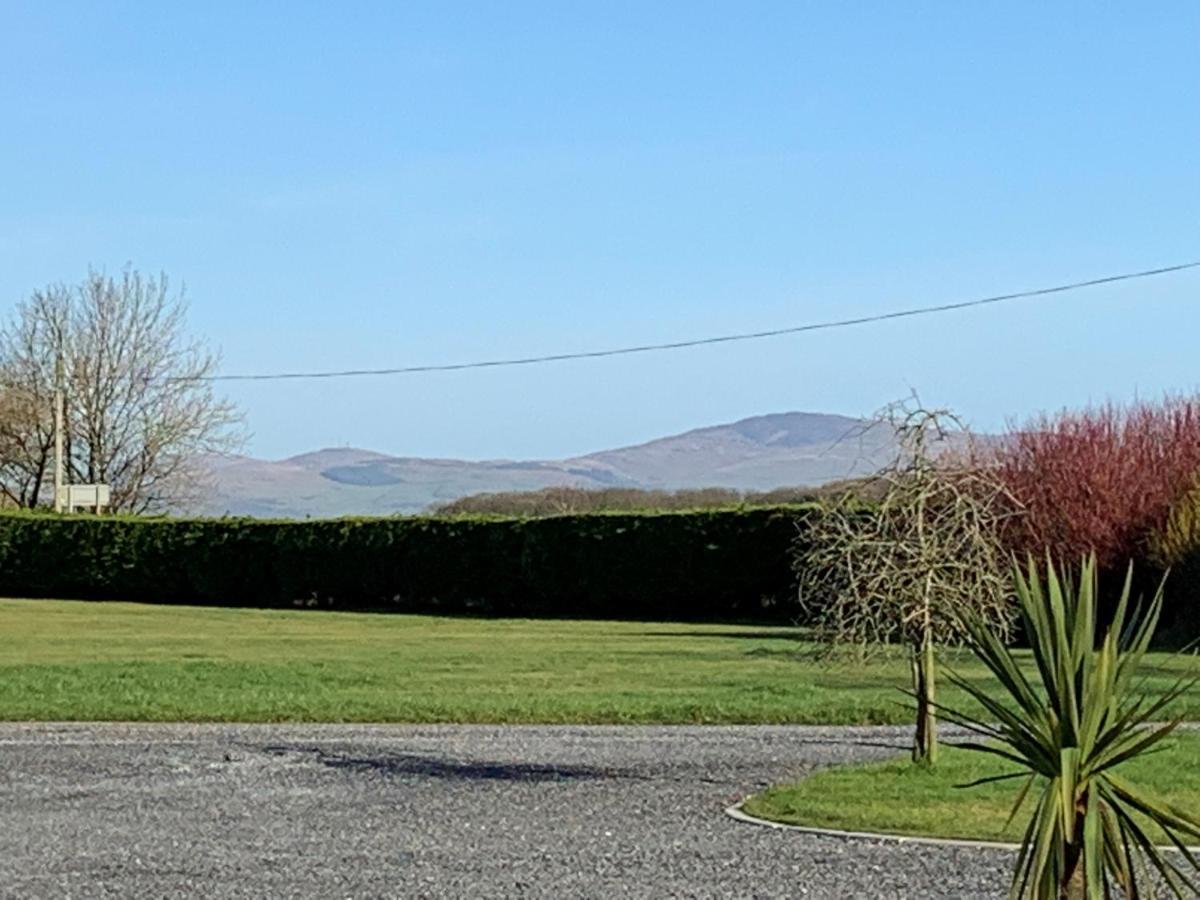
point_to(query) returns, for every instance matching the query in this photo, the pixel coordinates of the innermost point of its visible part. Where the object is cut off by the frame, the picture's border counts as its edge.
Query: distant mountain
(760, 453)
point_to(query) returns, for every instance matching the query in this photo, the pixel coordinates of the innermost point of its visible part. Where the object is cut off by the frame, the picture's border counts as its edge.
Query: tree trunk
(1074, 886)
(925, 742)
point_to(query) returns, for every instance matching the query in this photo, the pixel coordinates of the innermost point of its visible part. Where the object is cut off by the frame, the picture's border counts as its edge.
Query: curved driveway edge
(737, 812)
(440, 811)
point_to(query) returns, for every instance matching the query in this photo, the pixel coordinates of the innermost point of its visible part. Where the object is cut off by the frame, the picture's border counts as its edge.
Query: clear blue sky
(360, 185)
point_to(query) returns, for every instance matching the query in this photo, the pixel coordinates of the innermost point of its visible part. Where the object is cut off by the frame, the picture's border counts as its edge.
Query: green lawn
(63, 660)
(902, 798)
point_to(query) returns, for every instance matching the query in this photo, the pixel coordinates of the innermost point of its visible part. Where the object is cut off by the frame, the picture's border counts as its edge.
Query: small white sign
(83, 496)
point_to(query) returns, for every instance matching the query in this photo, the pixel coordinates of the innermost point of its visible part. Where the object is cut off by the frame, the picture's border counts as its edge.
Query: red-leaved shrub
(1103, 479)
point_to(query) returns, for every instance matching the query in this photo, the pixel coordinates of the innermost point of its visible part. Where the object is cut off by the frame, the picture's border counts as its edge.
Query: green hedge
(703, 565)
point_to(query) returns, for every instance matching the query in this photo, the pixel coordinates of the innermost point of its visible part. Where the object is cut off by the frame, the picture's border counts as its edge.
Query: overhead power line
(701, 342)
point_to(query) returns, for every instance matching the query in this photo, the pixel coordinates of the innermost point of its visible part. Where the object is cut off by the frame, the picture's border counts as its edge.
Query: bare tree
(903, 569)
(31, 348)
(139, 412)
(14, 409)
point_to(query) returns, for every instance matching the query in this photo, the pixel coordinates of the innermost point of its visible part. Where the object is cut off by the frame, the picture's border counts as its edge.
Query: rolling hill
(759, 453)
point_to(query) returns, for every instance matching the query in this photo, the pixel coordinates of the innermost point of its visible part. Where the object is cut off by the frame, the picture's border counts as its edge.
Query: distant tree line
(560, 501)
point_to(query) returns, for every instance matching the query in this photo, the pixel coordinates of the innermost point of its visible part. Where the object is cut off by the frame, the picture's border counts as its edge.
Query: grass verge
(900, 797)
(69, 660)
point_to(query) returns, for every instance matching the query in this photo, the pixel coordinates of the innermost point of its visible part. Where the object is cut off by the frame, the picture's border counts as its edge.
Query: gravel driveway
(439, 811)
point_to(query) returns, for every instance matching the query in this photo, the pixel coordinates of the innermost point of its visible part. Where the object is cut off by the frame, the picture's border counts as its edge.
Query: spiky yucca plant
(1070, 729)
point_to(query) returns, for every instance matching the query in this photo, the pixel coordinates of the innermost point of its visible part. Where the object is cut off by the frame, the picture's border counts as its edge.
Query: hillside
(758, 453)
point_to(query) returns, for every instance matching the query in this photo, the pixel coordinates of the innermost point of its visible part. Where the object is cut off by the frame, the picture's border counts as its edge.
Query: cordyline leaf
(1000, 662)
(1171, 873)
(1081, 721)
(1102, 694)
(1129, 719)
(1025, 753)
(1068, 792)
(1035, 612)
(1165, 815)
(1118, 628)
(1024, 868)
(1137, 640)
(1093, 862)
(1019, 802)
(1047, 842)
(975, 726)
(1066, 657)
(1136, 744)
(1116, 854)
(1009, 722)
(991, 778)
(1138, 713)
(1033, 745)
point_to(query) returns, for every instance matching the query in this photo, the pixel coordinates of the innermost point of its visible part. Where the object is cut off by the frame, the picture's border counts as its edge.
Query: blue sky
(366, 185)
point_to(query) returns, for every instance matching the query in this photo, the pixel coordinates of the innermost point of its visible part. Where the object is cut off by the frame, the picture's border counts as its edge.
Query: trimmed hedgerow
(700, 565)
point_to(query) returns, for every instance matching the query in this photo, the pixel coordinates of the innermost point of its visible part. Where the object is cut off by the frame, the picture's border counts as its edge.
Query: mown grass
(900, 797)
(67, 660)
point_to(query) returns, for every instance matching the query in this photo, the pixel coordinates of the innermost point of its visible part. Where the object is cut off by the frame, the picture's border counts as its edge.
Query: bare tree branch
(904, 569)
(138, 414)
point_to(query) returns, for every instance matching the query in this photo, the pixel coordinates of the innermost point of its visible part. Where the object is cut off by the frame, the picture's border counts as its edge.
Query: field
(69, 660)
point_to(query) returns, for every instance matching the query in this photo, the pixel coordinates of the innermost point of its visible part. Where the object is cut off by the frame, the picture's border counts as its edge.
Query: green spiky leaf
(1071, 729)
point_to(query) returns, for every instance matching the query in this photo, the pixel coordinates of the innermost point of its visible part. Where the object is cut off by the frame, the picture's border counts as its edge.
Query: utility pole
(58, 436)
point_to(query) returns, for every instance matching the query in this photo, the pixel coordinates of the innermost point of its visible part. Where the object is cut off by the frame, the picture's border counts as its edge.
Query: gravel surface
(439, 811)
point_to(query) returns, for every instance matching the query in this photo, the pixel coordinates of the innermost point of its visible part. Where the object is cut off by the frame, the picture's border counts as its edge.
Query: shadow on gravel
(402, 764)
(433, 767)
